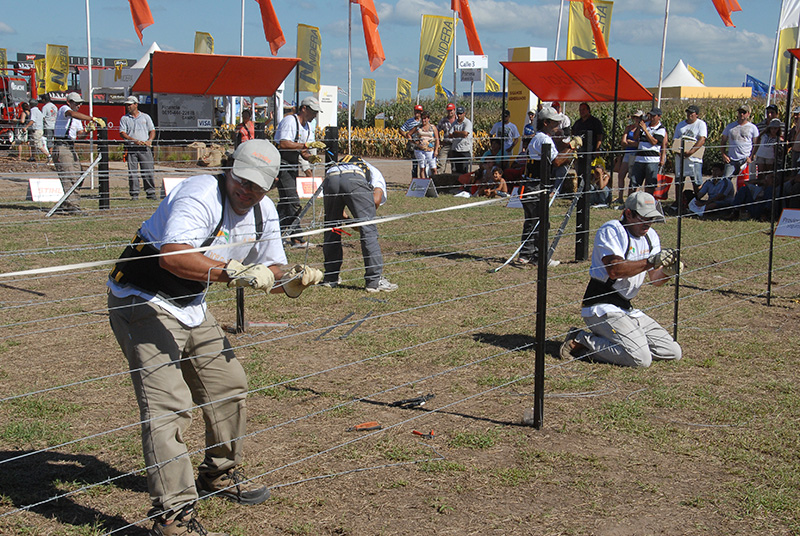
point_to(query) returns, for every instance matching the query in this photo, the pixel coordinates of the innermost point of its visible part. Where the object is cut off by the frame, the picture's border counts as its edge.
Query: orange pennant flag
(369, 20)
(142, 18)
(272, 28)
(590, 13)
(465, 13)
(725, 8)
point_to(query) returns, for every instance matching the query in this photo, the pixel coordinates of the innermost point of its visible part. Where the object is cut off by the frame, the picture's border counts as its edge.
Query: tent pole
(663, 48)
(349, 78)
(558, 31)
(614, 127)
(455, 57)
(771, 80)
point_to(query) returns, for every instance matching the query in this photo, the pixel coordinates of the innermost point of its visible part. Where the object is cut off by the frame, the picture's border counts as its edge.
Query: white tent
(142, 63)
(111, 82)
(680, 76)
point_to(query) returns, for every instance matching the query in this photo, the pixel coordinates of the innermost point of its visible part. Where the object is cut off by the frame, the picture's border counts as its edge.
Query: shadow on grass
(34, 479)
(517, 341)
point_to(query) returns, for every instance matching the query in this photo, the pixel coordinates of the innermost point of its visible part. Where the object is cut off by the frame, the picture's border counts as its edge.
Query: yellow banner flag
(580, 40)
(787, 40)
(41, 70)
(3, 59)
(697, 74)
(434, 46)
(57, 67)
(368, 90)
(491, 85)
(203, 43)
(309, 50)
(403, 89)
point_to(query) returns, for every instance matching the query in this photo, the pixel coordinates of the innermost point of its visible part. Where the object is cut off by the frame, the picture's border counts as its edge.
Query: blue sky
(695, 34)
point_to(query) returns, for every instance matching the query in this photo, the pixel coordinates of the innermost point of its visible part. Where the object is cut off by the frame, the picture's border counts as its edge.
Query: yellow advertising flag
(57, 67)
(309, 50)
(788, 39)
(3, 59)
(203, 43)
(368, 90)
(697, 74)
(434, 46)
(41, 70)
(403, 89)
(580, 40)
(491, 85)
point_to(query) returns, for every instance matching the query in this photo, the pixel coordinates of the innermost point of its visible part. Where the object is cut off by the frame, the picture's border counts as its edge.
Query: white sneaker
(384, 285)
(462, 194)
(553, 263)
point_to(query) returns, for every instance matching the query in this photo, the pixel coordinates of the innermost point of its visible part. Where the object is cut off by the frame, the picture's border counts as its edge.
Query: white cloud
(6, 29)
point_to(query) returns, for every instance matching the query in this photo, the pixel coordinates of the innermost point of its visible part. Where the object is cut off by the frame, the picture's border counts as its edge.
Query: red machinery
(16, 86)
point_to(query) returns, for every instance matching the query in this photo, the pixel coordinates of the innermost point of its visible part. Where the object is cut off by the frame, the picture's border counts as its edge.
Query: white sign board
(514, 201)
(418, 187)
(44, 190)
(789, 224)
(471, 75)
(473, 62)
(189, 112)
(328, 97)
(306, 186)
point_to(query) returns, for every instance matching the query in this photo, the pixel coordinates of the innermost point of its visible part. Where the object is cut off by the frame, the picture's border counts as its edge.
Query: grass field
(707, 445)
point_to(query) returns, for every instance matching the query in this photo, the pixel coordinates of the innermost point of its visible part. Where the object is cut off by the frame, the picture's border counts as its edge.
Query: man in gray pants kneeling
(359, 186)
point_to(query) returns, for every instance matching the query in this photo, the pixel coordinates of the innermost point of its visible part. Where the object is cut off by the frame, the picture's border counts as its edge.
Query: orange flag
(272, 28)
(462, 8)
(591, 13)
(369, 19)
(725, 8)
(142, 18)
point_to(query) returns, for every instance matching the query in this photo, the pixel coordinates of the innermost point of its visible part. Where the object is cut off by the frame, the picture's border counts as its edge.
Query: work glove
(316, 145)
(664, 257)
(258, 276)
(299, 278)
(673, 269)
(576, 142)
(314, 159)
(99, 121)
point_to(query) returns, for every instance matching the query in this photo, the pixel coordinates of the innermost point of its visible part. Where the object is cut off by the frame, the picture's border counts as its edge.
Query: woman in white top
(426, 146)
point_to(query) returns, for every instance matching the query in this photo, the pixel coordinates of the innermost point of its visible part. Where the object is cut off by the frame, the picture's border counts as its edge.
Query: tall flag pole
(663, 47)
(142, 18)
(558, 31)
(272, 28)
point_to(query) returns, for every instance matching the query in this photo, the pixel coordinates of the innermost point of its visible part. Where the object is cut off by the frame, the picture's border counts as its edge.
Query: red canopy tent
(591, 80)
(212, 74)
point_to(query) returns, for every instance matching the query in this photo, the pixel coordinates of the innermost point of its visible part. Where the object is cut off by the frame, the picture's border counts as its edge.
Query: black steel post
(612, 146)
(240, 322)
(582, 216)
(679, 196)
(541, 288)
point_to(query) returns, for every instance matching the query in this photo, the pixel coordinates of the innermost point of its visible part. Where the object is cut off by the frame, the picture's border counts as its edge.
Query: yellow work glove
(316, 145)
(257, 276)
(576, 142)
(671, 270)
(99, 121)
(299, 278)
(664, 257)
(314, 159)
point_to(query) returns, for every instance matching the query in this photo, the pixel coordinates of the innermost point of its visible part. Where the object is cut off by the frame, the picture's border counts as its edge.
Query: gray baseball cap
(75, 97)
(258, 161)
(312, 103)
(646, 206)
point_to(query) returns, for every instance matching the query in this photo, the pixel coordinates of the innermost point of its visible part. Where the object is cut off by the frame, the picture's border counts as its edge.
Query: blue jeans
(693, 170)
(644, 174)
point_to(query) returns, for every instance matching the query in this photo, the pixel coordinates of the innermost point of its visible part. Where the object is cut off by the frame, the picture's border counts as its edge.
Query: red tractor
(14, 89)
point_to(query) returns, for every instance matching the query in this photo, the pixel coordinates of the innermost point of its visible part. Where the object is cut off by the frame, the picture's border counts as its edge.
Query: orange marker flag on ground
(272, 28)
(369, 19)
(142, 18)
(725, 8)
(590, 13)
(462, 8)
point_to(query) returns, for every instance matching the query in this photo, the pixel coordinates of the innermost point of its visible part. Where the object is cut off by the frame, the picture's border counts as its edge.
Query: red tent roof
(213, 74)
(794, 52)
(577, 80)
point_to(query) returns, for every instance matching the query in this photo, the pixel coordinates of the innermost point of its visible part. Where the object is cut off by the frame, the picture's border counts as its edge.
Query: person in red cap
(405, 130)
(445, 127)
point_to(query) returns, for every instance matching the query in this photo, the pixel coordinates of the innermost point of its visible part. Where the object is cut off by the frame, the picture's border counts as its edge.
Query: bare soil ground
(707, 445)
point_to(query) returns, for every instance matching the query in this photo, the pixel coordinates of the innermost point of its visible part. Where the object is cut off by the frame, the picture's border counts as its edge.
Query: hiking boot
(571, 349)
(232, 485)
(331, 284)
(383, 286)
(185, 524)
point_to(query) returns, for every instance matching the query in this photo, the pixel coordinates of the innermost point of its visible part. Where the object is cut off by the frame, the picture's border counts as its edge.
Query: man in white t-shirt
(694, 130)
(49, 111)
(507, 132)
(178, 355)
(294, 137)
(624, 252)
(738, 139)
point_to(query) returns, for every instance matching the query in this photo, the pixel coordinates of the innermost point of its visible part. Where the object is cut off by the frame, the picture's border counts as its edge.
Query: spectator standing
(246, 130)
(178, 355)
(529, 129)
(461, 150)
(629, 146)
(294, 136)
(359, 186)
(625, 251)
(138, 131)
(507, 132)
(445, 127)
(589, 123)
(770, 113)
(24, 123)
(426, 145)
(692, 129)
(737, 141)
(36, 132)
(651, 153)
(405, 130)
(49, 111)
